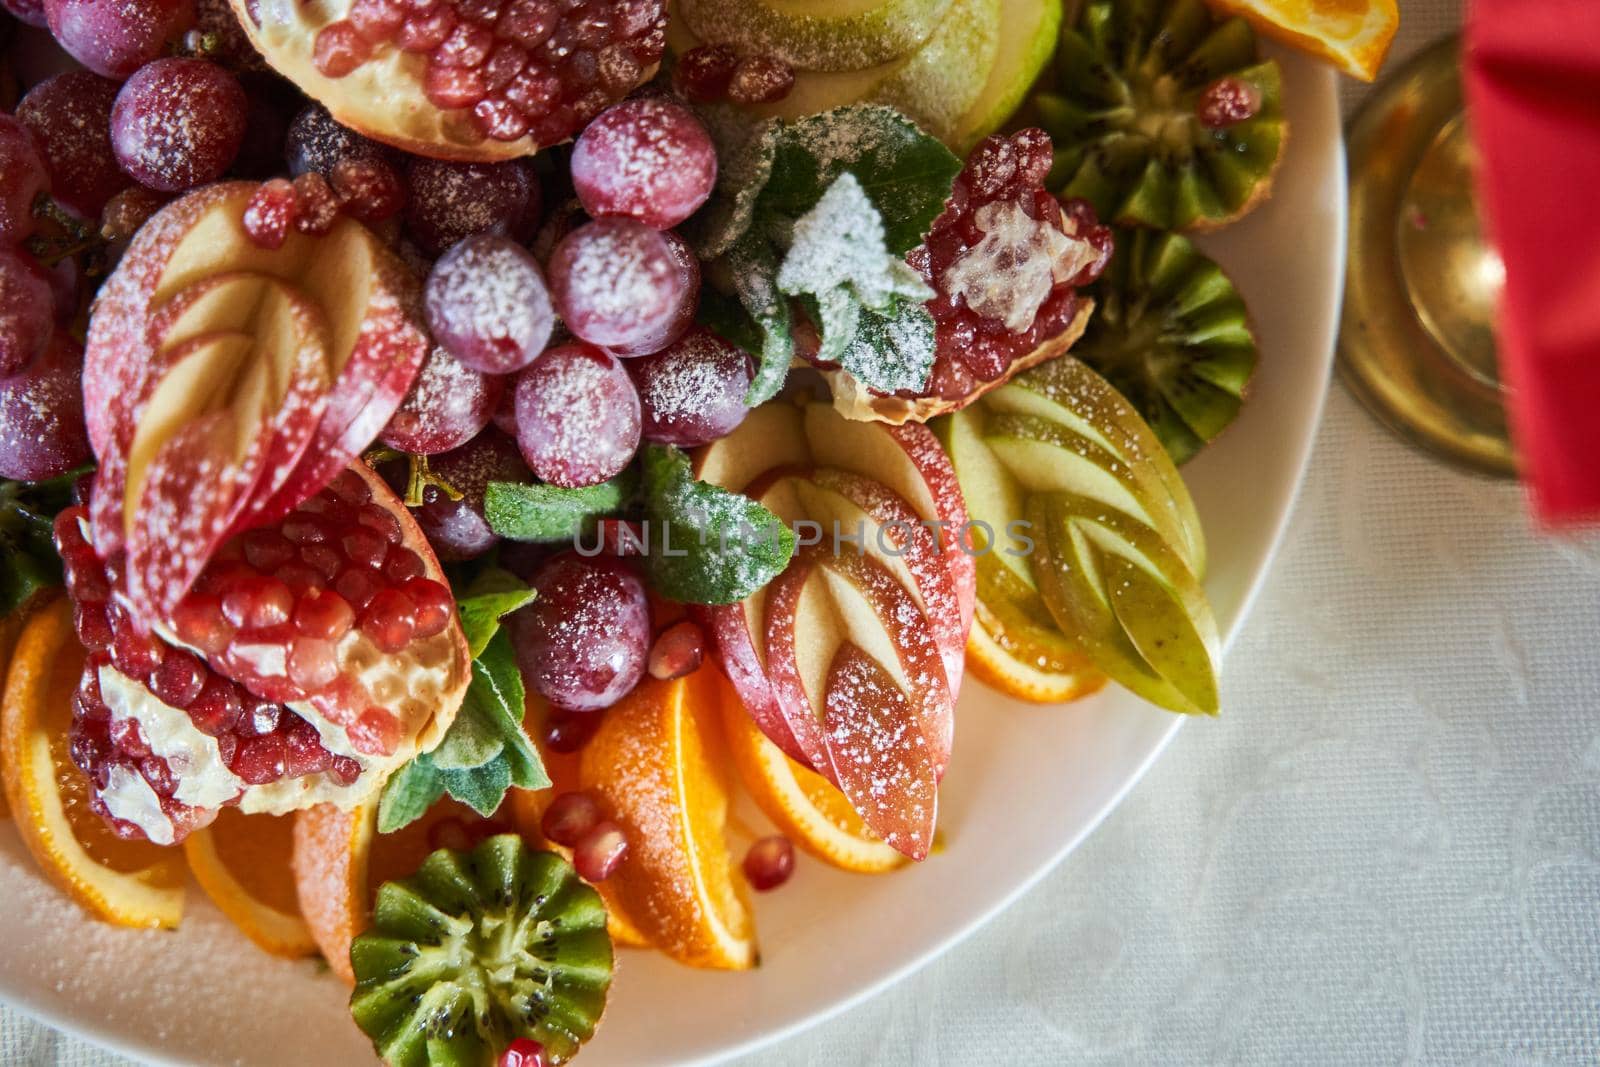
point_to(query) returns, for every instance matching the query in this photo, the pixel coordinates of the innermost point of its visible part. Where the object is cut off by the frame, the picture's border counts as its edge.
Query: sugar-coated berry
(70, 116)
(22, 178)
(577, 415)
(582, 643)
(178, 123)
(117, 37)
(26, 311)
(448, 405)
(450, 201)
(487, 304)
(649, 159)
(692, 392)
(457, 529)
(42, 432)
(617, 282)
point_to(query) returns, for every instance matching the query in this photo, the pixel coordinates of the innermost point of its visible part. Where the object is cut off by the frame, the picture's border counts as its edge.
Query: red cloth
(1531, 71)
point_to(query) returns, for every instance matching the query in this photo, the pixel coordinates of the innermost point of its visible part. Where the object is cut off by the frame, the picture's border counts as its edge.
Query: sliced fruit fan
(453, 448)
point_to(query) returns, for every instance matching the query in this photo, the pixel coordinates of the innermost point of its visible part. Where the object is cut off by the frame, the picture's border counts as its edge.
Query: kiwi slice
(1134, 77)
(480, 948)
(1172, 334)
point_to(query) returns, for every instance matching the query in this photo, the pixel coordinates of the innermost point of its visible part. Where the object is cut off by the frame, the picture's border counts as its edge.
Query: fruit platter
(539, 528)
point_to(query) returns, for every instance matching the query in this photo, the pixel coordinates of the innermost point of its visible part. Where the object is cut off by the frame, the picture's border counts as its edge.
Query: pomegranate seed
(324, 559)
(216, 710)
(382, 522)
(304, 529)
(569, 818)
(127, 738)
(504, 63)
(179, 679)
(600, 852)
(453, 87)
(376, 732)
(344, 770)
(449, 833)
(1227, 101)
(159, 775)
(402, 565)
(760, 80)
(301, 578)
(135, 655)
(93, 629)
(569, 731)
(260, 760)
(703, 73)
(434, 605)
(499, 119)
(527, 22)
(267, 550)
(303, 753)
(677, 651)
(259, 717)
(368, 189)
(312, 663)
(270, 213)
(467, 46)
(533, 91)
(316, 204)
(358, 585)
(325, 615)
(426, 31)
(769, 863)
(523, 1052)
(350, 488)
(376, 20)
(258, 603)
(339, 49)
(364, 547)
(390, 620)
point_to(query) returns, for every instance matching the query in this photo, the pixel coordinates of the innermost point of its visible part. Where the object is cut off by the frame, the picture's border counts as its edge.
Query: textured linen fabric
(1386, 850)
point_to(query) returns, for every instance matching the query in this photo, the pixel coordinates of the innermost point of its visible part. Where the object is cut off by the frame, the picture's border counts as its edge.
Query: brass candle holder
(1416, 340)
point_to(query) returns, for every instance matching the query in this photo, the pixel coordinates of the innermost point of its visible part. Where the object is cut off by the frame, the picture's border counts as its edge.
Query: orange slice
(10, 630)
(1353, 35)
(129, 883)
(527, 810)
(998, 661)
(242, 862)
(339, 860)
(656, 767)
(805, 806)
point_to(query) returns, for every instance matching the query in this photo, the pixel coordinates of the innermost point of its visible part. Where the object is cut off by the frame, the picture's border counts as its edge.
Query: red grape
(582, 643)
(41, 415)
(649, 159)
(178, 123)
(617, 282)
(70, 116)
(703, 72)
(693, 392)
(487, 304)
(22, 178)
(450, 201)
(26, 311)
(29, 11)
(688, 267)
(117, 37)
(449, 403)
(317, 142)
(456, 528)
(577, 415)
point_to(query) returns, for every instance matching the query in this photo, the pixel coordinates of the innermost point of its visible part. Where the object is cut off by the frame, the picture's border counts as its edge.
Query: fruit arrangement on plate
(452, 450)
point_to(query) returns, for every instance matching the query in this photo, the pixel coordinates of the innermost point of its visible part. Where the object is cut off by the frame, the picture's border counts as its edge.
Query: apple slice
(1117, 587)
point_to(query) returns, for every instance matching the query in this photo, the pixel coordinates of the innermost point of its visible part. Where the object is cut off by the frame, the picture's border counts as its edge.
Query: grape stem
(78, 237)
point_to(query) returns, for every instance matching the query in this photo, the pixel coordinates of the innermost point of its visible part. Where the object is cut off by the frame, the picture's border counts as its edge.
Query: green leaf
(892, 349)
(472, 739)
(724, 316)
(549, 513)
(481, 609)
(410, 792)
(28, 560)
(710, 546)
(837, 259)
(906, 173)
(755, 279)
(500, 698)
(482, 788)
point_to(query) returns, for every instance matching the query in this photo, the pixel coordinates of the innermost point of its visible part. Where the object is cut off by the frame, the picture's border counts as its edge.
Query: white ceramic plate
(1025, 786)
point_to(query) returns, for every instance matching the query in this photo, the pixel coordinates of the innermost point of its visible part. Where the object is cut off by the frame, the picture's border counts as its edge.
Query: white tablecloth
(1386, 849)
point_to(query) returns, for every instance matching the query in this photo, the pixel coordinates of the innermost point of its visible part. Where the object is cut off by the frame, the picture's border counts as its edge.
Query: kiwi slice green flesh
(1172, 334)
(1124, 116)
(477, 949)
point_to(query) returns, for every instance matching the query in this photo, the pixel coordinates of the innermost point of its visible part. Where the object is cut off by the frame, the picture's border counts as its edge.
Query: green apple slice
(1032, 28)
(816, 35)
(1113, 584)
(1067, 392)
(934, 85)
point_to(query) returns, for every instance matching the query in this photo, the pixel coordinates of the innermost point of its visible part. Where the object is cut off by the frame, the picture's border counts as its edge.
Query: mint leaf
(892, 349)
(906, 173)
(711, 546)
(472, 739)
(549, 513)
(481, 613)
(755, 276)
(500, 700)
(482, 788)
(838, 261)
(408, 795)
(28, 560)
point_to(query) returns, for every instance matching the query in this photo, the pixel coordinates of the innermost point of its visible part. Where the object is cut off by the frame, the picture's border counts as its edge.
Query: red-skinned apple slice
(798, 619)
